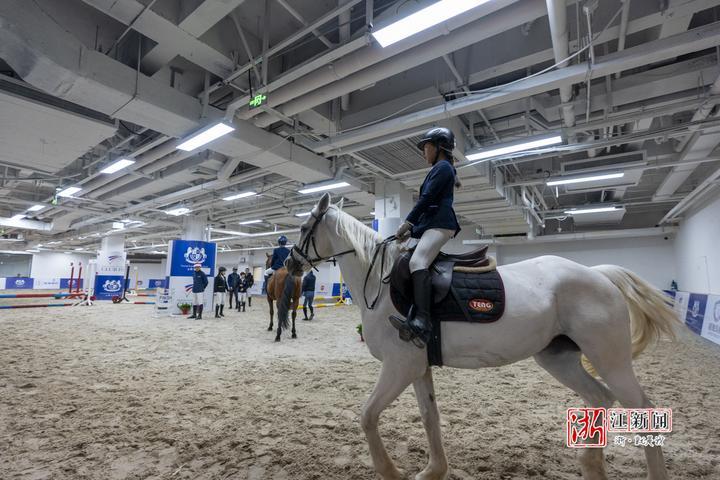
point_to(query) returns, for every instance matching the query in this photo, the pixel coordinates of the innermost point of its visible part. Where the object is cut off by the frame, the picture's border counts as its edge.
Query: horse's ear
(324, 203)
(340, 204)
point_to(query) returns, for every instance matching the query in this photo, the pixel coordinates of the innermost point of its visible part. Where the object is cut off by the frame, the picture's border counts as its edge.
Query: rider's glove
(403, 231)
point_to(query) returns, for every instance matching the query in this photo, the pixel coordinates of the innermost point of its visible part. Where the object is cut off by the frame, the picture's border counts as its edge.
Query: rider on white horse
(433, 222)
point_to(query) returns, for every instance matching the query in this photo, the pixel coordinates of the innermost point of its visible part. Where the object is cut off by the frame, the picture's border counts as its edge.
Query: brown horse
(278, 282)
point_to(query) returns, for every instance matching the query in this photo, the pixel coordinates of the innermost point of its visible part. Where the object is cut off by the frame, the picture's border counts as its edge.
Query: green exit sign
(257, 100)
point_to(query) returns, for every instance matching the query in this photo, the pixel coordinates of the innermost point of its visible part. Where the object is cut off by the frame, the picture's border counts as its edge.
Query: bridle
(304, 249)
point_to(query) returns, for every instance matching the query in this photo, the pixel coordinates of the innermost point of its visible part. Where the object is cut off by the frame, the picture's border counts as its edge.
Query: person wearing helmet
(433, 222)
(220, 288)
(279, 255)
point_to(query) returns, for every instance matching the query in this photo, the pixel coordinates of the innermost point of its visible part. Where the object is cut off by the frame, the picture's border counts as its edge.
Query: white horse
(556, 310)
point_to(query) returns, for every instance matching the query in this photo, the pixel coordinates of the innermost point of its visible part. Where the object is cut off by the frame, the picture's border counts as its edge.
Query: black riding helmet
(442, 138)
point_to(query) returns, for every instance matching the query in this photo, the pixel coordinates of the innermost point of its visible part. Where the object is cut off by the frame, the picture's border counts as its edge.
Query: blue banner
(156, 283)
(18, 283)
(65, 283)
(186, 253)
(336, 291)
(696, 312)
(108, 286)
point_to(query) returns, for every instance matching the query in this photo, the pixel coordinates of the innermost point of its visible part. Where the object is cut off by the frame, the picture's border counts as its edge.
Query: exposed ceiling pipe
(693, 40)
(374, 63)
(569, 237)
(557, 15)
(344, 33)
(624, 20)
(23, 224)
(701, 113)
(707, 186)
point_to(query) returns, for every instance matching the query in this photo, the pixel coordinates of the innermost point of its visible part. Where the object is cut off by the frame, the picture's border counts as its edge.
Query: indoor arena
(359, 239)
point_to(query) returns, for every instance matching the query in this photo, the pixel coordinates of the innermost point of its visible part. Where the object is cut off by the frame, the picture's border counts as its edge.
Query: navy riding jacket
(233, 280)
(278, 257)
(308, 284)
(220, 285)
(200, 281)
(249, 279)
(434, 208)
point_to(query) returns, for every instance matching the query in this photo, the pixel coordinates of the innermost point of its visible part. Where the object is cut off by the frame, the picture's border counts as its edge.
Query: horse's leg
(437, 468)
(615, 367)
(393, 380)
(279, 330)
(270, 303)
(295, 303)
(562, 360)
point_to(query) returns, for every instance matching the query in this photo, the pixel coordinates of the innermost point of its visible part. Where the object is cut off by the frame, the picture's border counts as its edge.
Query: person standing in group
(220, 290)
(308, 292)
(200, 283)
(250, 282)
(243, 288)
(233, 280)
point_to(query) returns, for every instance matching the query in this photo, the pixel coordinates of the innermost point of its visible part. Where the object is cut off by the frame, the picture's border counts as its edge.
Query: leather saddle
(466, 288)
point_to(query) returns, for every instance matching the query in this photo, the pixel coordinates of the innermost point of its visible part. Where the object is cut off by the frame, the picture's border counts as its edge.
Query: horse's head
(318, 240)
(268, 259)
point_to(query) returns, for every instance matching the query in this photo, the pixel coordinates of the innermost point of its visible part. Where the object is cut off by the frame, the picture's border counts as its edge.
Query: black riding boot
(200, 309)
(305, 313)
(222, 307)
(249, 301)
(419, 327)
(312, 312)
(194, 315)
(243, 306)
(217, 311)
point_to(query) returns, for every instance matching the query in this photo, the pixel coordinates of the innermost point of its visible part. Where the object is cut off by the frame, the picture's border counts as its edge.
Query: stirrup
(406, 332)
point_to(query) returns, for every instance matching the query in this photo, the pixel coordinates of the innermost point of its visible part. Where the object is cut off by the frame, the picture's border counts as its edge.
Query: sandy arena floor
(109, 392)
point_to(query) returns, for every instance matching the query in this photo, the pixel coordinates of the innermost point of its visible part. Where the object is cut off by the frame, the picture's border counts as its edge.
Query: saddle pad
(481, 295)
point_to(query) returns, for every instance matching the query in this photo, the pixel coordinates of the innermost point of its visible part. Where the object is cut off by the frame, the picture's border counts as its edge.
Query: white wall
(144, 272)
(697, 249)
(651, 258)
(57, 265)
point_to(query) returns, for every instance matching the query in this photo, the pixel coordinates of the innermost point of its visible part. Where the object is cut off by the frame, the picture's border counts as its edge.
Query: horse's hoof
(270, 329)
(294, 336)
(277, 339)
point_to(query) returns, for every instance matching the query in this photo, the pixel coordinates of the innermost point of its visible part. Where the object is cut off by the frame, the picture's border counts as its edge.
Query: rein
(384, 280)
(304, 250)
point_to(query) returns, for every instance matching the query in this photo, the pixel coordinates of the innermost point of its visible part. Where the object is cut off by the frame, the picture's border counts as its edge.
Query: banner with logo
(681, 304)
(65, 283)
(186, 253)
(696, 312)
(108, 286)
(182, 255)
(156, 283)
(711, 324)
(111, 263)
(18, 283)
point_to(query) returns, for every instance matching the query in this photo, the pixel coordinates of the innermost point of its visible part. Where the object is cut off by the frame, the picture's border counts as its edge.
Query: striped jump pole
(37, 295)
(2, 307)
(143, 303)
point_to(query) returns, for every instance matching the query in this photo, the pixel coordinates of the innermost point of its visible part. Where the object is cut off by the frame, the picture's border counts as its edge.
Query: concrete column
(195, 228)
(113, 243)
(393, 202)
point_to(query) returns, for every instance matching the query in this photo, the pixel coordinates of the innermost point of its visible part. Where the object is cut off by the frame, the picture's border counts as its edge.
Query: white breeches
(428, 248)
(220, 298)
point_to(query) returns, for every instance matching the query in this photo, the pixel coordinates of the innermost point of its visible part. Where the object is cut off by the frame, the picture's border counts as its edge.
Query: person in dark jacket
(233, 280)
(250, 282)
(243, 288)
(220, 289)
(200, 283)
(433, 222)
(308, 292)
(280, 253)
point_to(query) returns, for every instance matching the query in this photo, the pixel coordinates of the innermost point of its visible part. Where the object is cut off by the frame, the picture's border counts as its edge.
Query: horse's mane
(363, 239)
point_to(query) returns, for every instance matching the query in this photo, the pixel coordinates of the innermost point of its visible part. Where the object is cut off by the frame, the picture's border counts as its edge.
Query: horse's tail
(651, 313)
(285, 300)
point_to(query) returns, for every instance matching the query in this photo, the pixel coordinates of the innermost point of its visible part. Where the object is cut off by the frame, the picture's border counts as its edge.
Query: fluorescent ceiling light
(178, 211)
(424, 19)
(592, 178)
(117, 166)
(581, 211)
(19, 216)
(79, 249)
(118, 225)
(55, 243)
(205, 136)
(68, 253)
(33, 250)
(239, 195)
(520, 147)
(372, 213)
(69, 192)
(304, 214)
(322, 188)
(36, 208)
(250, 222)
